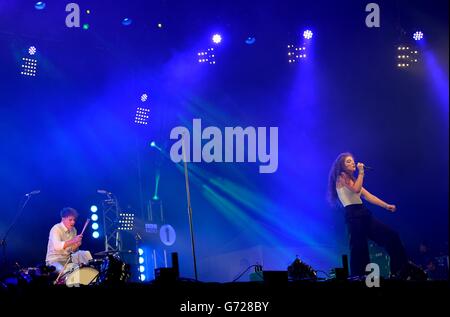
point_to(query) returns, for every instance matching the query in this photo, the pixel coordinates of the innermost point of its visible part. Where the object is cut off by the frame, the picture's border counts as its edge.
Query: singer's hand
(391, 208)
(360, 167)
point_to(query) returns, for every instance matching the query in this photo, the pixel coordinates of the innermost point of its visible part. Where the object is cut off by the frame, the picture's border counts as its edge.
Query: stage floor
(219, 298)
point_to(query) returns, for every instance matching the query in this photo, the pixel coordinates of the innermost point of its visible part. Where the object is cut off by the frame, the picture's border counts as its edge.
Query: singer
(347, 190)
(63, 242)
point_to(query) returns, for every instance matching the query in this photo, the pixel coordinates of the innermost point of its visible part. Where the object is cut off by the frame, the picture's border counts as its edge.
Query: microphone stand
(3, 240)
(188, 194)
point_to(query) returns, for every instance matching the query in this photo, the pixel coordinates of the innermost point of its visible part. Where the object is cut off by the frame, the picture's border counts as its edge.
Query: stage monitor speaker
(345, 266)
(165, 274)
(175, 264)
(275, 277)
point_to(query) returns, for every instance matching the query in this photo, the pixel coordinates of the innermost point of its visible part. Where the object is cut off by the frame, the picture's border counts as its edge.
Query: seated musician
(63, 242)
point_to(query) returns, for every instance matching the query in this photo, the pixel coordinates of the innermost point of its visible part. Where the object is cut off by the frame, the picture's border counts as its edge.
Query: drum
(96, 264)
(79, 275)
(113, 270)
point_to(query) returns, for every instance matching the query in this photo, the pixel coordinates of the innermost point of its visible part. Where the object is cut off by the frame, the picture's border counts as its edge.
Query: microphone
(102, 191)
(367, 168)
(34, 192)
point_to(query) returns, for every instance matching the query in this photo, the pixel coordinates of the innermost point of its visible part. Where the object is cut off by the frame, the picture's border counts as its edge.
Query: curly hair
(68, 211)
(337, 168)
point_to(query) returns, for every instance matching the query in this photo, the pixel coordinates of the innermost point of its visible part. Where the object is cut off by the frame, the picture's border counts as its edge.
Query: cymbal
(115, 252)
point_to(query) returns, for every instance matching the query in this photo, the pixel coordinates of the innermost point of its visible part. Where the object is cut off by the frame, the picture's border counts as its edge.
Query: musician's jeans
(363, 226)
(58, 266)
(79, 257)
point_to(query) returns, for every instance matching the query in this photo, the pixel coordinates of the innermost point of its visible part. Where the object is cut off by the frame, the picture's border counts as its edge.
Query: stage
(157, 143)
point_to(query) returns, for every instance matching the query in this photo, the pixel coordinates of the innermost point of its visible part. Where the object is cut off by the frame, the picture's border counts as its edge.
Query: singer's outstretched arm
(376, 201)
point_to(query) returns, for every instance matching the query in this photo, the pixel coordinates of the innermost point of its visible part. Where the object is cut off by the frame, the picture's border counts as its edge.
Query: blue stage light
(217, 38)
(207, 56)
(29, 66)
(95, 226)
(307, 34)
(418, 36)
(94, 217)
(142, 116)
(40, 5)
(32, 50)
(95, 234)
(127, 21)
(250, 40)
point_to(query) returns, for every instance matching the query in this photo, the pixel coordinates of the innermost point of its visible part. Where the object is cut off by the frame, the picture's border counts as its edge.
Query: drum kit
(108, 270)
